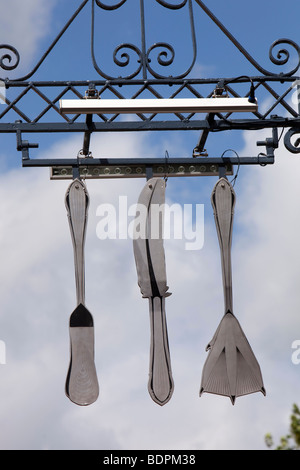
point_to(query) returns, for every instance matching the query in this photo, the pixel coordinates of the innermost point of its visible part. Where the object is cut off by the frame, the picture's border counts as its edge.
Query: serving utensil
(81, 384)
(231, 369)
(151, 270)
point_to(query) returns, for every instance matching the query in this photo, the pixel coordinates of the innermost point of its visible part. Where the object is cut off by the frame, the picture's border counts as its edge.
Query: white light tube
(134, 106)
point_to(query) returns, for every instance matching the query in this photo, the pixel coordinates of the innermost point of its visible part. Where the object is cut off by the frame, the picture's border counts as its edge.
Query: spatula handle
(77, 202)
(223, 201)
(160, 383)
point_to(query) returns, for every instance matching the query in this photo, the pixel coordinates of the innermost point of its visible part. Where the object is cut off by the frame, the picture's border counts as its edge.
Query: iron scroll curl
(110, 7)
(125, 57)
(172, 6)
(7, 61)
(283, 55)
(292, 147)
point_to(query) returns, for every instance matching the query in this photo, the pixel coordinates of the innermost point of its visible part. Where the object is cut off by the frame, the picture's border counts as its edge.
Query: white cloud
(37, 292)
(16, 25)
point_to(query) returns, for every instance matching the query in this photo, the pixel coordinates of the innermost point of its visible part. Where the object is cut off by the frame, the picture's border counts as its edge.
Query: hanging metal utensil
(150, 263)
(231, 368)
(81, 383)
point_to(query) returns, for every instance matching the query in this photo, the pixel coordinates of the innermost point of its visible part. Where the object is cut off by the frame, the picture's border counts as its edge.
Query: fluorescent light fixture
(135, 106)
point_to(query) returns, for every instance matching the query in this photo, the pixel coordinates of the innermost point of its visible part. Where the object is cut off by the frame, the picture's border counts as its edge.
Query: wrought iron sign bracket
(147, 82)
(154, 72)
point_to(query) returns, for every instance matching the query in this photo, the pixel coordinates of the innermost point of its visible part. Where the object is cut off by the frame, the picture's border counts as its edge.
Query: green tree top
(292, 440)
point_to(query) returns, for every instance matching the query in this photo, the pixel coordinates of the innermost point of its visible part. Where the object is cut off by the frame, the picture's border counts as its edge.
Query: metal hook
(76, 172)
(238, 169)
(149, 172)
(222, 171)
(76, 168)
(166, 166)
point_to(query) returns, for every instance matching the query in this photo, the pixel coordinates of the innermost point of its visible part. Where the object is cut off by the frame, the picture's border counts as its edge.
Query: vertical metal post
(143, 39)
(87, 135)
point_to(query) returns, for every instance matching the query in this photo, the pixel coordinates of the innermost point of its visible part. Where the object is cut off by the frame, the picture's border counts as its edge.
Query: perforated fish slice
(81, 384)
(231, 368)
(150, 263)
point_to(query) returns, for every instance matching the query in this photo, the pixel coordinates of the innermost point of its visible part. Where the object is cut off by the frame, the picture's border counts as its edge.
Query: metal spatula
(81, 383)
(231, 368)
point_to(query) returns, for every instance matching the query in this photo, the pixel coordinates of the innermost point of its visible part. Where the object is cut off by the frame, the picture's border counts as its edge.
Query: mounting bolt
(92, 92)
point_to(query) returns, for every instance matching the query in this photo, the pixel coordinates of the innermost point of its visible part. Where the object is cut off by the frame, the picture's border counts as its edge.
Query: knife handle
(160, 383)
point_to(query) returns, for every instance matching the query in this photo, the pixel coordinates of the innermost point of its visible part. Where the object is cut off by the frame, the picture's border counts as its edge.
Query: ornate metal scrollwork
(278, 61)
(8, 57)
(125, 57)
(123, 61)
(166, 54)
(152, 59)
(292, 147)
(45, 55)
(164, 58)
(283, 55)
(145, 57)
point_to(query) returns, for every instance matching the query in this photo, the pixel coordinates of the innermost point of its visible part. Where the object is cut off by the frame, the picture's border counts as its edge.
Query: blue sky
(37, 287)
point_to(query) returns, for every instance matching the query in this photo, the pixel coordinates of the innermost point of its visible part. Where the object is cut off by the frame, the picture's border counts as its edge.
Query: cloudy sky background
(37, 287)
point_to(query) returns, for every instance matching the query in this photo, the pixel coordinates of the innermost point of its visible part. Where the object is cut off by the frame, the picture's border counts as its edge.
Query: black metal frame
(146, 78)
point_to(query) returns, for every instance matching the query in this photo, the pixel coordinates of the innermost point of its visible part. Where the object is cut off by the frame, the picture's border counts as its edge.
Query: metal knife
(151, 270)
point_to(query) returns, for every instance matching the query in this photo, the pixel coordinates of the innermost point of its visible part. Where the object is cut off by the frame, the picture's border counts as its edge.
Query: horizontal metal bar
(173, 105)
(148, 125)
(150, 81)
(64, 127)
(135, 162)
